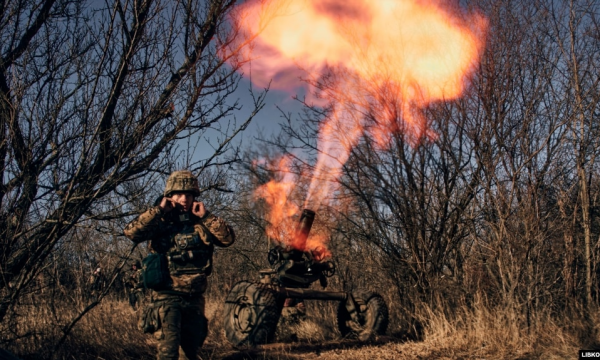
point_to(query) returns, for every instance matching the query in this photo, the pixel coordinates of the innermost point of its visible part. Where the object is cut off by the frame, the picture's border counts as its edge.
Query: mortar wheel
(373, 314)
(251, 314)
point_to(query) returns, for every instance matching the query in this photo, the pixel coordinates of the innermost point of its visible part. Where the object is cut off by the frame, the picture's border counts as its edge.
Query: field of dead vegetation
(109, 332)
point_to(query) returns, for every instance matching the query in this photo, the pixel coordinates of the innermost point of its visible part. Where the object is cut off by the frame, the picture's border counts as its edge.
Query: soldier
(96, 282)
(135, 286)
(184, 232)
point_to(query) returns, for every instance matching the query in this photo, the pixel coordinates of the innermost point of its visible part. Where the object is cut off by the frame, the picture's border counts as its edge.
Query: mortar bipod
(308, 294)
(353, 309)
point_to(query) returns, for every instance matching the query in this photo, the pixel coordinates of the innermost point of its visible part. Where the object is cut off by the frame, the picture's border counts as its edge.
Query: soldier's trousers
(183, 325)
(136, 297)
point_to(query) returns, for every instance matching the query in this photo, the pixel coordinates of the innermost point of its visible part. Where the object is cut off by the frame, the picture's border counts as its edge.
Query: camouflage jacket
(188, 245)
(133, 281)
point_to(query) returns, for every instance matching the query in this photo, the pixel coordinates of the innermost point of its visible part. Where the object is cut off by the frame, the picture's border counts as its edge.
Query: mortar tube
(304, 225)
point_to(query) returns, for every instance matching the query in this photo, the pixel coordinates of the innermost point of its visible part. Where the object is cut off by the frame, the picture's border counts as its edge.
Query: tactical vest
(191, 250)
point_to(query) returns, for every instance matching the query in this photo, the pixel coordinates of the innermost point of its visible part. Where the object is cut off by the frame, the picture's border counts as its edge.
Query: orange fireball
(375, 63)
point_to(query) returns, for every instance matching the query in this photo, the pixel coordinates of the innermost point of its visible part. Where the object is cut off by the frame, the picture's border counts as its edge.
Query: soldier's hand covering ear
(167, 204)
(198, 209)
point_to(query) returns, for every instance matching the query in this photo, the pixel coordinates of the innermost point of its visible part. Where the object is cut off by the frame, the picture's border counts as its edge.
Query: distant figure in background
(96, 282)
(135, 288)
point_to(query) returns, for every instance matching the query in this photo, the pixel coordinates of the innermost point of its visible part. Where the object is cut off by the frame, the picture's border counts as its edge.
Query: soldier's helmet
(183, 181)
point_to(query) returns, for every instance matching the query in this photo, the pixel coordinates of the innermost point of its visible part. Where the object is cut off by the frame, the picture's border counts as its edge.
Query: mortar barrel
(304, 225)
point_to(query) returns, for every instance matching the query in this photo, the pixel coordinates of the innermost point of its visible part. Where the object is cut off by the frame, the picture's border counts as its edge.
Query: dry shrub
(500, 333)
(309, 328)
(214, 313)
(108, 331)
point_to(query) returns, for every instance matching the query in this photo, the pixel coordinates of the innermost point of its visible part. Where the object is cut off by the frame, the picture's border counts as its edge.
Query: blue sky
(266, 122)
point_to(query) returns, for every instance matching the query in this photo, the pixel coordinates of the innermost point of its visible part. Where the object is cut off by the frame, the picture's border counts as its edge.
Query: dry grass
(109, 332)
(481, 333)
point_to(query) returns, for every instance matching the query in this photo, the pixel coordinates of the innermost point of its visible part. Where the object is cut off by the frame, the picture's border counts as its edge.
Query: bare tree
(94, 98)
(503, 200)
(577, 39)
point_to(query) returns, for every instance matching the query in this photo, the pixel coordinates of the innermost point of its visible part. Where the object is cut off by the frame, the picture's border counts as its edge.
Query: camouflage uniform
(188, 242)
(96, 282)
(135, 287)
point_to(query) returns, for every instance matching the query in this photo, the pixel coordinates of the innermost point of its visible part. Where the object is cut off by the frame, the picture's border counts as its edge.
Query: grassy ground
(109, 332)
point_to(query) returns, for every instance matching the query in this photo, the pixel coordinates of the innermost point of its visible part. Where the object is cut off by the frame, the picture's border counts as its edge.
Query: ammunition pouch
(155, 271)
(196, 261)
(189, 253)
(149, 321)
(187, 241)
(185, 256)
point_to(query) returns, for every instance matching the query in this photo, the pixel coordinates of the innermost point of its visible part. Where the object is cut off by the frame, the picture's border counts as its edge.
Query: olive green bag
(155, 271)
